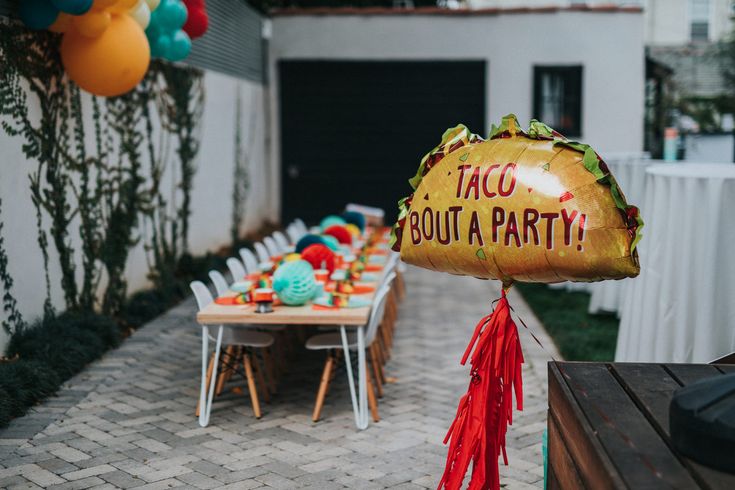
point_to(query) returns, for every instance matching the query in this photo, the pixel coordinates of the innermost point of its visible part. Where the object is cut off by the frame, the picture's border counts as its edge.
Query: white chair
(236, 269)
(272, 247)
(250, 260)
(333, 342)
(293, 233)
(262, 252)
(281, 241)
(220, 283)
(237, 340)
(301, 226)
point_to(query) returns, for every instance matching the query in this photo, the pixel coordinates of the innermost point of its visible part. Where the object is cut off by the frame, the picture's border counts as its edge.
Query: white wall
(668, 21)
(609, 45)
(211, 195)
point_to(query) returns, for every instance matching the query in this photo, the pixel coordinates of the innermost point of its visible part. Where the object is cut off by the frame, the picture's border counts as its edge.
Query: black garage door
(356, 131)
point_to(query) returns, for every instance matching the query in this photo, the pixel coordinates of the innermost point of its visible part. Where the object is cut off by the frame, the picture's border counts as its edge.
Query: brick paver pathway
(128, 420)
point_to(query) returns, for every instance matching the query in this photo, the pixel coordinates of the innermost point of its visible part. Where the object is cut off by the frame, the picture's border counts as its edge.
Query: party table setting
(326, 279)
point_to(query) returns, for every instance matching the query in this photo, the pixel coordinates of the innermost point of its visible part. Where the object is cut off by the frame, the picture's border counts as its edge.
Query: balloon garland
(107, 44)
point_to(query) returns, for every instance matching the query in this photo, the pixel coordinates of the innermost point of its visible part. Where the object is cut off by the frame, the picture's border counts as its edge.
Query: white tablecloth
(682, 306)
(630, 172)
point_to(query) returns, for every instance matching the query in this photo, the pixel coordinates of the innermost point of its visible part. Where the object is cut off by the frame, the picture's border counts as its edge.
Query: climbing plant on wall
(13, 321)
(94, 181)
(178, 96)
(241, 176)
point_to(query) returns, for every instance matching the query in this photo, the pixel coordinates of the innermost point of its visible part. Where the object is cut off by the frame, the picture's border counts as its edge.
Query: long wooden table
(245, 316)
(609, 427)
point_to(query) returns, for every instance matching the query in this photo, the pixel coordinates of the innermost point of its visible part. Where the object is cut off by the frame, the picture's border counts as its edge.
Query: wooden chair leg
(400, 285)
(210, 368)
(260, 378)
(251, 385)
(270, 369)
(376, 370)
(226, 371)
(380, 351)
(323, 387)
(372, 401)
(384, 340)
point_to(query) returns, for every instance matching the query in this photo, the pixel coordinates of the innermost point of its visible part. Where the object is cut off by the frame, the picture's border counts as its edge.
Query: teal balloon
(73, 7)
(153, 31)
(161, 46)
(172, 14)
(38, 14)
(331, 220)
(294, 282)
(164, 33)
(180, 46)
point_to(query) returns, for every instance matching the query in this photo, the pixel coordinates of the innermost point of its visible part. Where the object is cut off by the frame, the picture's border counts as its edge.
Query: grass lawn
(578, 335)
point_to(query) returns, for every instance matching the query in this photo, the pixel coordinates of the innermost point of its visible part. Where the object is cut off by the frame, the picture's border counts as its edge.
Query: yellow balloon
(153, 4)
(62, 23)
(110, 64)
(292, 257)
(353, 229)
(92, 24)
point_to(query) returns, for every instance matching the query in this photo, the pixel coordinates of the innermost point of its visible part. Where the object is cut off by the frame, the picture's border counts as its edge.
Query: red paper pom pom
(341, 233)
(319, 256)
(197, 19)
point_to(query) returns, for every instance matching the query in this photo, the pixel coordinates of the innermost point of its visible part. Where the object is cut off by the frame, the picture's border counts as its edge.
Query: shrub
(22, 384)
(143, 307)
(67, 343)
(6, 404)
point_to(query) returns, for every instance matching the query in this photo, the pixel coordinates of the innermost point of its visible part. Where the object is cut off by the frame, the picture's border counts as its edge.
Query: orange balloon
(62, 23)
(103, 4)
(110, 64)
(92, 24)
(122, 6)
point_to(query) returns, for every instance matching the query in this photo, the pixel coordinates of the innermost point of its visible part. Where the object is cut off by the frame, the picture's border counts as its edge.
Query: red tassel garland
(477, 434)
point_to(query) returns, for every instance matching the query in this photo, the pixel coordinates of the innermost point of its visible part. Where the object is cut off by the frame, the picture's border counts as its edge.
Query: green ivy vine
(13, 321)
(103, 191)
(240, 177)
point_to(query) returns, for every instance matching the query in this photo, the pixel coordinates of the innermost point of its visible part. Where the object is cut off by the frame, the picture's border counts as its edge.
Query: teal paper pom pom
(294, 282)
(357, 219)
(307, 240)
(331, 220)
(330, 242)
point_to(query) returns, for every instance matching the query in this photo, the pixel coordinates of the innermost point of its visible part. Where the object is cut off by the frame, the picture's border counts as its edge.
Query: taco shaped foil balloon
(521, 206)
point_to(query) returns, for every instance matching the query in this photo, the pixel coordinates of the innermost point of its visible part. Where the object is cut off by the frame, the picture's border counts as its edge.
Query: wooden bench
(609, 427)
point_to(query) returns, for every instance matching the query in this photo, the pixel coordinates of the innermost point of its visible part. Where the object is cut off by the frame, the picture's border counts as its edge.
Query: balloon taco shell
(521, 206)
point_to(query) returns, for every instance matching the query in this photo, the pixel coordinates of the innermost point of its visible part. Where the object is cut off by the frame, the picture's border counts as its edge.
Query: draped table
(630, 172)
(682, 306)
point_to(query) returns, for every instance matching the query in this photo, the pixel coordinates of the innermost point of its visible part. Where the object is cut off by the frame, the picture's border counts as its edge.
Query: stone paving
(128, 420)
